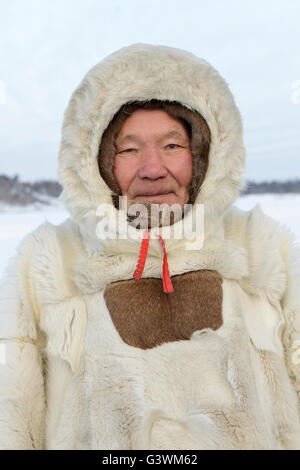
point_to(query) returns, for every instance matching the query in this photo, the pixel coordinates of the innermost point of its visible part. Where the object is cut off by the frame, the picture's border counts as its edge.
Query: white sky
(47, 46)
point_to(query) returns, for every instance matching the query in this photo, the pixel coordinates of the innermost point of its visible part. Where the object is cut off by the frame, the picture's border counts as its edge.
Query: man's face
(153, 162)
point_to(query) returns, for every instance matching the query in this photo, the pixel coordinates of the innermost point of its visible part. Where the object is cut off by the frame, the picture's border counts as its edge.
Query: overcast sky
(47, 46)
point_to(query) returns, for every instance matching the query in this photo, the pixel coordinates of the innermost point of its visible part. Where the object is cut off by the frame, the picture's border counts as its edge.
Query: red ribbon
(167, 283)
(142, 257)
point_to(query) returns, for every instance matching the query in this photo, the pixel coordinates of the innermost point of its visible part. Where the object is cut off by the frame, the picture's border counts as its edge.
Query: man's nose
(152, 165)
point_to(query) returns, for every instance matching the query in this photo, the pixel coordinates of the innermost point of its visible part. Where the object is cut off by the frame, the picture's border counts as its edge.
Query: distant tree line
(15, 192)
(290, 186)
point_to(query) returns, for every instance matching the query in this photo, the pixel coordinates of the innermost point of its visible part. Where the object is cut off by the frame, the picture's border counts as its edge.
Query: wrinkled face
(153, 162)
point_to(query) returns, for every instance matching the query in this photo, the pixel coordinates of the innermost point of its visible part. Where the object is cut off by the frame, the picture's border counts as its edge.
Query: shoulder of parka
(271, 250)
(57, 248)
(37, 275)
(38, 298)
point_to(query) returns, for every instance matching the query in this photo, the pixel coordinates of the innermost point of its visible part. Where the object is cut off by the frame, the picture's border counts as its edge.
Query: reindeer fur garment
(98, 360)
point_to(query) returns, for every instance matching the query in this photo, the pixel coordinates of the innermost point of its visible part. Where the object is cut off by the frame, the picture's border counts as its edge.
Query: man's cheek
(121, 176)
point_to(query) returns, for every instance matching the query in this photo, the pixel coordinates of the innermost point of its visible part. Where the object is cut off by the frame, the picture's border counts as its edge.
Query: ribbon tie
(167, 283)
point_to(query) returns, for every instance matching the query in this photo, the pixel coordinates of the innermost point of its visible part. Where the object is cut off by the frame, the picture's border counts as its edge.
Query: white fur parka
(70, 381)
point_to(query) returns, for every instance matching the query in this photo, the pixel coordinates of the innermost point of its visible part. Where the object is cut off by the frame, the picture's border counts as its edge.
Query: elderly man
(134, 338)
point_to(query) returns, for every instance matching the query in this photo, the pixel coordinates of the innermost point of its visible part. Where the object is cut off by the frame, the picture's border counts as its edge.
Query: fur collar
(111, 260)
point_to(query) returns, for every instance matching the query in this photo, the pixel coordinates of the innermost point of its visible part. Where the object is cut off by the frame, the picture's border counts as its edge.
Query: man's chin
(169, 199)
(154, 212)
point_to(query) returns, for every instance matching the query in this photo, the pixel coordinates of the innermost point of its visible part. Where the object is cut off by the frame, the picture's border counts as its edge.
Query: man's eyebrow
(134, 138)
(172, 133)
(127, 137)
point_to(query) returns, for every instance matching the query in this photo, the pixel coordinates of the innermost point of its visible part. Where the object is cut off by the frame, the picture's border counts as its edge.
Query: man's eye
(130, 150)
(172, 146)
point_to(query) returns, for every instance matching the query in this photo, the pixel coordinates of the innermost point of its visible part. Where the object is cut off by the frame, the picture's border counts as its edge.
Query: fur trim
(196, 128)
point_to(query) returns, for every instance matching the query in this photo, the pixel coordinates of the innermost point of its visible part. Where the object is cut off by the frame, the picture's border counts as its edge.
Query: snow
(17, 222)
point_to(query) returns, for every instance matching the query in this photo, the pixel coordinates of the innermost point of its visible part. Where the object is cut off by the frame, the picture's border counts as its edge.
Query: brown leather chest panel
(145, 316)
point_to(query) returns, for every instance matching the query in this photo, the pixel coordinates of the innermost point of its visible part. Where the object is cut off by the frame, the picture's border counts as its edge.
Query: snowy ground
(283, 207)
(16, 223)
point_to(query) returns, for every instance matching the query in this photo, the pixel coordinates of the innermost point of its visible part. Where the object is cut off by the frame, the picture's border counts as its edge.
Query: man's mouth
(151, 195)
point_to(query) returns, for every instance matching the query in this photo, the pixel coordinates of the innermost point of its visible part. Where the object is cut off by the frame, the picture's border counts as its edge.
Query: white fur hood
(144, 72)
